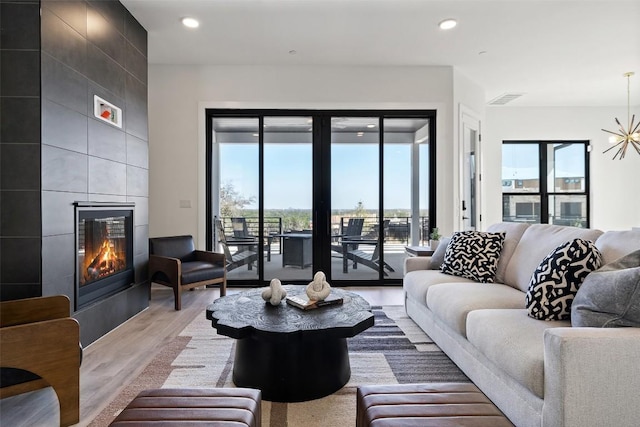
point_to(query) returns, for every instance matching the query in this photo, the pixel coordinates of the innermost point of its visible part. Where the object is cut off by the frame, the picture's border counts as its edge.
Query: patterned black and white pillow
(473, 255)
(555, 282)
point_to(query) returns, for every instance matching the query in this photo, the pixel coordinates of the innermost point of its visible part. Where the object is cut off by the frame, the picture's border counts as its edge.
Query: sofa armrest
(590, 377)
(416, 263)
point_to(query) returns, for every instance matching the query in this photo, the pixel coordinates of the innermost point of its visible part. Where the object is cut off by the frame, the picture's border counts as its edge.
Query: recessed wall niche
(107, 112)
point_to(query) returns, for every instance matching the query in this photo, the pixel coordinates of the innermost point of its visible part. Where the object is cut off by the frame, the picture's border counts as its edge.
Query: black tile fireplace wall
(20, 213)
(55, 152)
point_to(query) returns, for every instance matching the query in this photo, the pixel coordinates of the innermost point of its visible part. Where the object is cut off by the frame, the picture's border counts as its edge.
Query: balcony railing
(399, 229)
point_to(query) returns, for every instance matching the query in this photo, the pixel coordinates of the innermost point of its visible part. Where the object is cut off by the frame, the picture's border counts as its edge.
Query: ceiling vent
(505, 98)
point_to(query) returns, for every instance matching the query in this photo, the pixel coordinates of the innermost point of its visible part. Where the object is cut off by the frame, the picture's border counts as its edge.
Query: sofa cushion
(473, 255)
(513, 232)
(513, 342)
(197, 271)
(416, 283)
(537, 241)
(557, 279)
(610, 297)
(451, 302)
(616, 244)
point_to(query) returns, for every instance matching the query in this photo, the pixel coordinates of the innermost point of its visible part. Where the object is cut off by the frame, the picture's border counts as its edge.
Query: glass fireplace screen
(102, 247)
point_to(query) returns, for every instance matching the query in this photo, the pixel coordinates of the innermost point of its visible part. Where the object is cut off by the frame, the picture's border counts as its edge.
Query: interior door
(470, 176)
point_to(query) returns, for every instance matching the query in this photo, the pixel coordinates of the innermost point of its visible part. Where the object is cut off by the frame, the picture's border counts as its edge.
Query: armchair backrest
(181, 247)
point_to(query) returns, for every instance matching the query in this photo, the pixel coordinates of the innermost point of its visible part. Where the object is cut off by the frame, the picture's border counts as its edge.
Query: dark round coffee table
(290, 354)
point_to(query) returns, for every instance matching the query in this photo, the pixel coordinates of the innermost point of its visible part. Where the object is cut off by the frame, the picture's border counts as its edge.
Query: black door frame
(321, 204)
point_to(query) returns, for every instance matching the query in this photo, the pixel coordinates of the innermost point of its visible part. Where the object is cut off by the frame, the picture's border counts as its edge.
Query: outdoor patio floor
(394, 256)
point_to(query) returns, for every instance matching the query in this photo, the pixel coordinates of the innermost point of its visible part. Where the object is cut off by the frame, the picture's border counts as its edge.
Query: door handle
(464, 205)
(328, 224)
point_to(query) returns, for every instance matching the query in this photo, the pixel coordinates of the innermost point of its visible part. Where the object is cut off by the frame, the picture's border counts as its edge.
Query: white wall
(470, 98)
(615, 184)
(178, 96)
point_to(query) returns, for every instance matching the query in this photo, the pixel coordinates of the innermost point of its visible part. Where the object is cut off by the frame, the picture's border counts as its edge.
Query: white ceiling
(558, 53)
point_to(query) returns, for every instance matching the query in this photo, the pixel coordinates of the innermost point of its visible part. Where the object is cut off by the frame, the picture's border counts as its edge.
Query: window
(524, 209)
(546, 182)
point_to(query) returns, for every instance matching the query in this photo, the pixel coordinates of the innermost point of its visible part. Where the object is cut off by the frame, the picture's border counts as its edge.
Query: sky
(288, 174)
(520, 161)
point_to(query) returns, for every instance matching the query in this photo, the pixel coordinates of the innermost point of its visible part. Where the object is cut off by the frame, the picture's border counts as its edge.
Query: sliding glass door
(334, 191)
(355, 198)
(237, 178)
(406, 178)
(288, 178)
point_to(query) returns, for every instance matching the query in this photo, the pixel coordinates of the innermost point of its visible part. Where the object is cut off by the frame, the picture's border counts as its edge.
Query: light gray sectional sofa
(539, 373)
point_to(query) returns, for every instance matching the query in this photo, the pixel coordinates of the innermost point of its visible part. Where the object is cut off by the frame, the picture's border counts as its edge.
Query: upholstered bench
(195, 407)
(426, 405)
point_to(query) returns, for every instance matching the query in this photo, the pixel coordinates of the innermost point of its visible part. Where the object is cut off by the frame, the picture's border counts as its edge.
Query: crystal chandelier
(629, 136)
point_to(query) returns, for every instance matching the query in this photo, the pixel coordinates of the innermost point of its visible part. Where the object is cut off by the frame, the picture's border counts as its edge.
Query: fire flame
(106, 262)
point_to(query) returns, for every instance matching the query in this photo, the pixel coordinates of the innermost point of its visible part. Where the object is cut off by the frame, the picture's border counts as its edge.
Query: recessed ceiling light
(360, 134)
(371, 125)
(448, 24)
(190, 22)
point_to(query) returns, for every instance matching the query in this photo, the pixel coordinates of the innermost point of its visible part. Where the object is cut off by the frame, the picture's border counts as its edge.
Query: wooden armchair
(174, 262)
(38, 335)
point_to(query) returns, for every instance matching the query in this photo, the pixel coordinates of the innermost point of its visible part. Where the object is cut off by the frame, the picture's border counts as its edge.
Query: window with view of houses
(546, 182)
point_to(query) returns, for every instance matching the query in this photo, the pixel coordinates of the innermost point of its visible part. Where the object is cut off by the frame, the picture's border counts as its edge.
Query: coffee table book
(306, 304)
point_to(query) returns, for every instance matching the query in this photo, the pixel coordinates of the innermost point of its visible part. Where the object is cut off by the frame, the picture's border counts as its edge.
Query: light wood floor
(113, 360)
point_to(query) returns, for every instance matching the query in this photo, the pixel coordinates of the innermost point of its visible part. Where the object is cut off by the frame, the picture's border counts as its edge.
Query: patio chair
(241, 232)
(354, 229)
(371, 260)
(246, 253)
(240, 229)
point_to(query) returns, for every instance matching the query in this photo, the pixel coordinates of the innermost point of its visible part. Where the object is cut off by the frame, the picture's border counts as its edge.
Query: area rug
(394, 351)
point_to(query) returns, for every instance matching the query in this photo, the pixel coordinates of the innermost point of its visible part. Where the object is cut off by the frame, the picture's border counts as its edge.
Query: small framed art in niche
(107, 112)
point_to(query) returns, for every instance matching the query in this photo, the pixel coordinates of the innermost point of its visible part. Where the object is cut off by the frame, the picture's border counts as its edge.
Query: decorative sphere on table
(319, 289)
(275, 293)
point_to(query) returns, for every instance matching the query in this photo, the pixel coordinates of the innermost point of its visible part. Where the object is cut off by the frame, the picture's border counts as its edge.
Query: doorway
(341, 192)
(470, 167)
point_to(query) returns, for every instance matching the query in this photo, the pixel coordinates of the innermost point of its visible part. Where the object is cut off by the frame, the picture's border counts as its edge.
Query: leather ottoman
(426, 405)
(195, 407)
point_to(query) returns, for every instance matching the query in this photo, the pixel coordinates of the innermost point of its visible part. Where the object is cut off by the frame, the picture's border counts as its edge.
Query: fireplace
(104, 250)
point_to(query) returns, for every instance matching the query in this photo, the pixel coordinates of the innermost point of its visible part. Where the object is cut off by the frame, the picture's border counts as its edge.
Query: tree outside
(232, 203)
